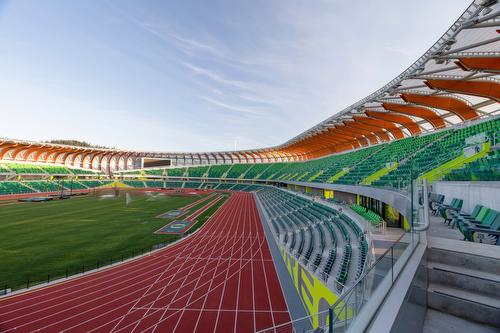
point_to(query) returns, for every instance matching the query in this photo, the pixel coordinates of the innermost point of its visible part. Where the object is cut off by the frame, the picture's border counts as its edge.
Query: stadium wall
(316, 296)
(399, 201)
(484, 193)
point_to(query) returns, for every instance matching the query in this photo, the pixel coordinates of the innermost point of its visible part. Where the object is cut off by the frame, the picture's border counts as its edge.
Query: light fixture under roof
(486, 3)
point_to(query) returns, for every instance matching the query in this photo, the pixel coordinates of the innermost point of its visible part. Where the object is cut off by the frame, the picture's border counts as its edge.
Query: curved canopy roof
(456, 80)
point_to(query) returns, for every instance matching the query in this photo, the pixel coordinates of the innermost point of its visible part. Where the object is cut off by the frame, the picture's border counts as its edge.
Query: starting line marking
(177, 227)
(172, 214)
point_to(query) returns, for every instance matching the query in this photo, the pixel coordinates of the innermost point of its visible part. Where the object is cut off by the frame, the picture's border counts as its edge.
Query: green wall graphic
(316, 297)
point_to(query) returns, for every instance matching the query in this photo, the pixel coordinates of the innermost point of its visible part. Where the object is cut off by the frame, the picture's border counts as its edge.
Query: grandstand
(176, 172)
(134, 183)
(197, 171)
(218, 171)
(154, 184)
(322, 230)
(14, 187)
(43, 169)
(385, 217)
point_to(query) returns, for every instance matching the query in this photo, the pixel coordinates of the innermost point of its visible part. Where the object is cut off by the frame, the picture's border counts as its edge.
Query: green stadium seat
(134, 183)
(490, 226)
(176, 172)
(193, 185)
(13, 187)
(217, 171)
(238, 170)
(155, 184)
(197, 171)
(256, 170)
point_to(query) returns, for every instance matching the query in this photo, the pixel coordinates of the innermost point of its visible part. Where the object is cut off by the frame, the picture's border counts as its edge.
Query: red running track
(221, 279)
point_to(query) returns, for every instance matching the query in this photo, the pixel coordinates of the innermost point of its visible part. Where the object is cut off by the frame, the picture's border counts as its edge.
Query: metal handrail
(425, 194)
(390, 249)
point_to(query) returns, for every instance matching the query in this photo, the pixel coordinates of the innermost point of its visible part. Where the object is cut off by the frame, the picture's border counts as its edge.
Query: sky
(168, 75)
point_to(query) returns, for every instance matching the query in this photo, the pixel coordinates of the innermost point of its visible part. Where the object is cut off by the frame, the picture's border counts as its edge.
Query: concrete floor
(440, 322)
(439, 229)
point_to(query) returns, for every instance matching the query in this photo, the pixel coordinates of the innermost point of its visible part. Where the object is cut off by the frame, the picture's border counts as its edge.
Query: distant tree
(77, 143)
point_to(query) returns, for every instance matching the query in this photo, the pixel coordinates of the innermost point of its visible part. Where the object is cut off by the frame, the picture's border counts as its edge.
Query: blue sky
(200, 75)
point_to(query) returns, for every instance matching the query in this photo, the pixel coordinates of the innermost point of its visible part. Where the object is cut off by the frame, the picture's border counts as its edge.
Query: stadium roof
(456, 80)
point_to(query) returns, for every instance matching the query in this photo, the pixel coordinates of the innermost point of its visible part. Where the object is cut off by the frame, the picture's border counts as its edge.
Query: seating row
(481, 225)
(316, 234)
(410, 158)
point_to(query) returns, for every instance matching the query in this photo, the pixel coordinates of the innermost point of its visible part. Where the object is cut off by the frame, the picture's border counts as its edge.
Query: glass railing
(361, 301)
(358, 304)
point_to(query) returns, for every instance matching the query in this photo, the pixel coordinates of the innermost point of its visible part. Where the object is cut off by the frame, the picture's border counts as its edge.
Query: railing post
(345, 315)
(392, 264)
(330, 320)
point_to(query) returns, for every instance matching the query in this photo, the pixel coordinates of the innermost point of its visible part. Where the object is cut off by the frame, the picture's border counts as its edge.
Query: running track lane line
(239, 252)
(80, 315)
(79, 285)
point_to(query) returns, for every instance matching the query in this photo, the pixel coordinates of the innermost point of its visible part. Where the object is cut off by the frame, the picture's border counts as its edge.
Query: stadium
(385, 217)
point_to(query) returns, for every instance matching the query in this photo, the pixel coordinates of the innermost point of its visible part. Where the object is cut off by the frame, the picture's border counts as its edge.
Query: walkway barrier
(358, 304)
(37, 280)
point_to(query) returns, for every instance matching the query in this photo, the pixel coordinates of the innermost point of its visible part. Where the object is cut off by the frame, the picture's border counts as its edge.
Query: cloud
(212, 75)
(188, 45)
(238, 108)
(292, 63)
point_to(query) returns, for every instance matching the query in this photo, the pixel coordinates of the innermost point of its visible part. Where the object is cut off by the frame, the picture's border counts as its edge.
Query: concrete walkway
(439, 229)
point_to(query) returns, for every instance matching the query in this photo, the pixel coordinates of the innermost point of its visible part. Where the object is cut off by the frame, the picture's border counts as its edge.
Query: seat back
(476, 210)
(440, 198)
(442, 211)
(482, 214)
(490, 218)
(458, 204)
(496, 223)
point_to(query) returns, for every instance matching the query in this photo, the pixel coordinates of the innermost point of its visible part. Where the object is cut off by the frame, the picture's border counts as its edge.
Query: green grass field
(37, 239)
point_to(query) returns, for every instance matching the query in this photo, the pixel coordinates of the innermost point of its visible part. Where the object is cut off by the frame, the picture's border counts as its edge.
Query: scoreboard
(155, 162)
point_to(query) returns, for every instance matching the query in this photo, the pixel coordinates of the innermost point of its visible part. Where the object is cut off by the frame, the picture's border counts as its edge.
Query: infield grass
(38, 239)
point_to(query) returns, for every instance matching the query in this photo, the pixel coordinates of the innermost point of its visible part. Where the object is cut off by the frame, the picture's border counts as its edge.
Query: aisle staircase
(26, 184)
(205, 175)
(457, 163)
(336, 176)
(464, 280)
(224, 175)
(379, 173)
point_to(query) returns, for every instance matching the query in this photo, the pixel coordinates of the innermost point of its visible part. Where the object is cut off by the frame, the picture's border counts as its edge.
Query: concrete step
(440, 322)
(475, 281)
(465, 304)
(466, 260)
